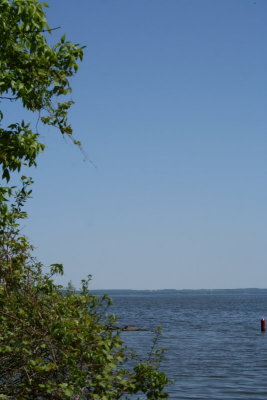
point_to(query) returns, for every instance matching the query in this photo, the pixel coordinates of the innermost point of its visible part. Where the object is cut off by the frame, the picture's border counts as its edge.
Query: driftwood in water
(132, 328)
(127, 328)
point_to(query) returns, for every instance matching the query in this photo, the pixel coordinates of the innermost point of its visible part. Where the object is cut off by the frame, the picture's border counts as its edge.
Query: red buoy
(263, 325)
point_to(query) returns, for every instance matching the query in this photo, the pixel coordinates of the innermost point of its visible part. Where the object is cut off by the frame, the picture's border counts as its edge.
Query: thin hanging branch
(41, 31)
(8, 98)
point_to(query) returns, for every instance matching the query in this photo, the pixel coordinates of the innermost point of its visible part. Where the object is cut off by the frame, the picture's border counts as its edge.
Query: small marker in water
(263, 325)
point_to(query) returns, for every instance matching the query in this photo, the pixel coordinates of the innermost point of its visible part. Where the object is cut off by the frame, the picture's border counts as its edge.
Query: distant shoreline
(248, 291)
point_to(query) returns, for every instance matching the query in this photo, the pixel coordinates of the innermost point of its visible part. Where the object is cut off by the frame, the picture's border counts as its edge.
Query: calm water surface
(215, 349)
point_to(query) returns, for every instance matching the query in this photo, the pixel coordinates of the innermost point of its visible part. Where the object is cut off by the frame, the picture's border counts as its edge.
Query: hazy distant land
(132, 292)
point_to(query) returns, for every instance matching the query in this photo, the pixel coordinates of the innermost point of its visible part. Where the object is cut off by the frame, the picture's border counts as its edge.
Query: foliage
(34, 73)
(54, 344)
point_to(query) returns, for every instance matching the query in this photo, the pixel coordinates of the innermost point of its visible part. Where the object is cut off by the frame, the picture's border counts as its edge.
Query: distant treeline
(129, 292)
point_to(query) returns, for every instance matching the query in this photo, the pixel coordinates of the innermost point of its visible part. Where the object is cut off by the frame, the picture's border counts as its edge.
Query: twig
(43, 30)
(8, 98)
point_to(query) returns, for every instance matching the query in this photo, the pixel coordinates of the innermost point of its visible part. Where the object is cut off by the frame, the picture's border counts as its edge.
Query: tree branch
(44, 30)
(8, 98)
(14, 318)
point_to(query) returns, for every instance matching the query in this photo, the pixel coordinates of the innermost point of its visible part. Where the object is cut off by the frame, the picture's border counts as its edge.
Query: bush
(54, 344)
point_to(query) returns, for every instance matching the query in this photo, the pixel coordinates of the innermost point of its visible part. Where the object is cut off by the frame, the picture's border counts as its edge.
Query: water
(215, 349)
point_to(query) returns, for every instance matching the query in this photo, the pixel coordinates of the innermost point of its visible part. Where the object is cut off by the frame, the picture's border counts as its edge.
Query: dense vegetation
(53, 344)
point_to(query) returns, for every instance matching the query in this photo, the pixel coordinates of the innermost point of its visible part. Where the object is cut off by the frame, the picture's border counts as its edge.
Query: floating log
(127, 328)
(132, 328)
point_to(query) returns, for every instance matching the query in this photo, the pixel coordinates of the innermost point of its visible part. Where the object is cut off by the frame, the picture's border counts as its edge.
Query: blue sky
(171, 109)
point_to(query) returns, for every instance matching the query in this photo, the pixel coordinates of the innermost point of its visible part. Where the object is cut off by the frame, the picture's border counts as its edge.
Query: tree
(53, 344)
(35, 74)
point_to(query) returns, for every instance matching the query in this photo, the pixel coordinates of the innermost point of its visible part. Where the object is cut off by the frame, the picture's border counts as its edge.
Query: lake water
(215, 348)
